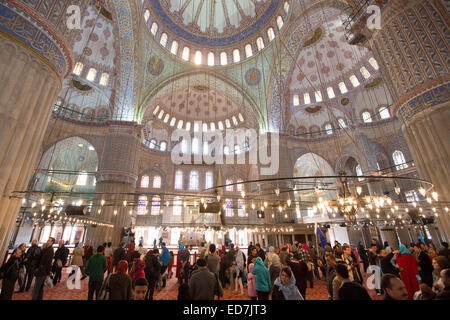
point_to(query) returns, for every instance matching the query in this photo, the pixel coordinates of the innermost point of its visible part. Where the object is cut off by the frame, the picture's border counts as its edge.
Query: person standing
(425, 266)
(251, 283)
(152, 271)
(351, 265)
(284, 287)
(140, 289)
(120, 284)
(386, 263)
(213, 260)
(263, 284)
(252, 257)
(363, 255)
(273, 263)
(300, 270)
(330, 274)
(43, 270)
(349, 290)
(96, 267)
(202, 285)
(88, 253)
(77, 258)
(283, 255)
(408, 270)
(260, 252)
(10, 271)
(31, 264)
(393, 287)
(373, 260)
(61, 255)
(119, 255)
(108, 256)
(165, 259)
(250, 248)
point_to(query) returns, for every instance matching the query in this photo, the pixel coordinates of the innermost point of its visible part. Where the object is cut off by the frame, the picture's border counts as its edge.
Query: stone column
(116, 179)
(412, 49)
(33, 62)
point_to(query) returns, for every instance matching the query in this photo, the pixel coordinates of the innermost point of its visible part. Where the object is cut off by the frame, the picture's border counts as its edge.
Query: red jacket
(409, 274)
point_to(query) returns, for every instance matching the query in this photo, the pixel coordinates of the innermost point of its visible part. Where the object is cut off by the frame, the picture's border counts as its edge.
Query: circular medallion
(253, 77)
(155, 66)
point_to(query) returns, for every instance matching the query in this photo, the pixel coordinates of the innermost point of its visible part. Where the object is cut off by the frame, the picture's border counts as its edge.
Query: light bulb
(103, 202)
(202, 200)
(289, 202)
(99, 211)
(429, 200)
(115, 212)
(265, 204)
(422, 191)
(125, 203)
(243, 194)
(277, 192)
(358, 189)
(42, 201)
(397, 190)
(167, 203)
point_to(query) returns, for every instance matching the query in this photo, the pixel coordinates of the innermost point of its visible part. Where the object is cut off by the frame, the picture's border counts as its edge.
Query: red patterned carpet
(62, 292)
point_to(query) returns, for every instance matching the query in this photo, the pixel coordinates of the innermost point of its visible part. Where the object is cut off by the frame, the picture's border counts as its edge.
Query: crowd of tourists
(420, 271)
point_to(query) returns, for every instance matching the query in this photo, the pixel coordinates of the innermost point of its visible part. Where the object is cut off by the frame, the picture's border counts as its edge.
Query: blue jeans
(38, 289)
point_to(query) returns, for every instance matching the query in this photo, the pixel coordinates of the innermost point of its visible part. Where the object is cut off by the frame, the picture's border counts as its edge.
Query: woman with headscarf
(263, 284)
(273, 263)
(408, 270)
(300, 270)
(310, 265)
(284, 287)
(240, 268)
(120, 284)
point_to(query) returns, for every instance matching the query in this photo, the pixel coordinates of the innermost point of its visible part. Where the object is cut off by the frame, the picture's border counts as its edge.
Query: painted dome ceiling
(215, 23)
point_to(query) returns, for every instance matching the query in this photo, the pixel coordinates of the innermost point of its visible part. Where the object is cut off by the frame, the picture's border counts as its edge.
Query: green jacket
(96, 267)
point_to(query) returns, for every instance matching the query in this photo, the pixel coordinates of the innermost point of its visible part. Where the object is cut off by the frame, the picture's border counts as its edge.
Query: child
(251, 283)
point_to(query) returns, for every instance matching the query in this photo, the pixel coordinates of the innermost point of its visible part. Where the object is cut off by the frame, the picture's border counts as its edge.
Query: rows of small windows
(154, 145)
(210, 58)
(180, 123)
(383, 113)
(343, 87)
(92, 74)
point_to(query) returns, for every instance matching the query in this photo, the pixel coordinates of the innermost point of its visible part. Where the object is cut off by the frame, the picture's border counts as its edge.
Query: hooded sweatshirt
(290, 290)
(263, 283)
(272, 259)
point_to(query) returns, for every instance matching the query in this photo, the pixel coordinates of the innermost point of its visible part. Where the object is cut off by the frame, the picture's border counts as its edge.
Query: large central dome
(216, 25)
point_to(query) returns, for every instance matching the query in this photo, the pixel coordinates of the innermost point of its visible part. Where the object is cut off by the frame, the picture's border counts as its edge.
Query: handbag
(48, 283)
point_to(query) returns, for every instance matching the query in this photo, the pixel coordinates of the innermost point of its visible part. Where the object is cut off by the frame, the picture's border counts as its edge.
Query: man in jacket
(165, 259)
(152, 271)
(43, 270)
(119, 254)
(425, 266)
(96, 267)
(260, 252)
(386, 264)
(394, 288)
(351, 264)
(61, 255)
(10, 271)
(88, 253)
(363, 255)
(349, 290)
(32, 255)
(203, 283)
(213, 260)
(330, 274)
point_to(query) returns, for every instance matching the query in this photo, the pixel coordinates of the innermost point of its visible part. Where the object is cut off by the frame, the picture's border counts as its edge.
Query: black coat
(300, 271)
(387, 266)
(118, 255)
(45, 262)
(152, 267)
(277, 294)
(353, 291)
(62, 253)
(426, 268)
(330, 275)
(10, 269)
(33, 256)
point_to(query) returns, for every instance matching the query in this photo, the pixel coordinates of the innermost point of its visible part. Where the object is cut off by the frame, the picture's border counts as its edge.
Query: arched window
(236, 55)
(195, 146)
(286, 7)
(341, 123)
(399, 160)
(220, 125)
(223, 58)
(166, 118)
(359, 172)
(330, 92)
(177, 207)
(163, 146)
(384, 113)
(229, 188)
(156, 110)
(241, 118)
(180, 124)
(296, 100)
(354, 80)
(211, 59)
(82, 179)
(226, 150)
(205, 148)
(160, 115)
(209, 180)
(237, 149)
(198, 57)
(365, 73)
(229, 208)
(146, 15)
(235, 122)
(227, 123)
(156, 205)
(280, 22)
(248, 50)
(172, 121)
(145, 180)
(270, 34)
(92, 74)
(212, 125)
(78, 68)
(260, 43)
(157, 182)
(239, 186)
(142, 205)
(374, 63)
(104, 79)
(205, 127)
(329, 128)
(174, 47)
(307, 98)
(154, 28)
(342, 87)
(153, 144)
(179, 180)
(241, 210)
(163, 40)
(196, 126)
(193, 180)
(318, 96)
(366, 117)
(186, 53)
(188, 126)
